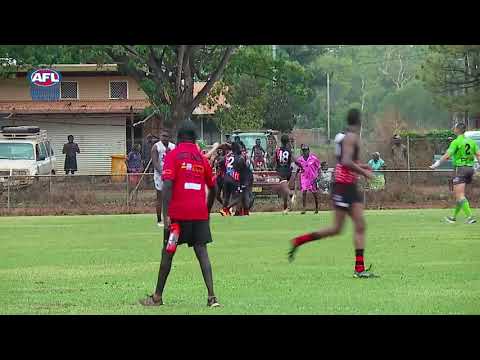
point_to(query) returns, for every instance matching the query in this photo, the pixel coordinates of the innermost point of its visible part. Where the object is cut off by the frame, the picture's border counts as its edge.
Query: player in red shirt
(186, 174)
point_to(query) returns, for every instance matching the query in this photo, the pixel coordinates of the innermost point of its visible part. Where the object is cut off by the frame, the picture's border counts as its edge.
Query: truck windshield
(16, 151)
(249, 141)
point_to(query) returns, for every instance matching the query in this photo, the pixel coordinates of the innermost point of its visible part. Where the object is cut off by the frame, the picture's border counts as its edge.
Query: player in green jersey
(462, 151)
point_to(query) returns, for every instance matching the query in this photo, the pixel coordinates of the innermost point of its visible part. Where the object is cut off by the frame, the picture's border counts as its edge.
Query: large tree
(452, 73)
(263, 92)
(166, 73)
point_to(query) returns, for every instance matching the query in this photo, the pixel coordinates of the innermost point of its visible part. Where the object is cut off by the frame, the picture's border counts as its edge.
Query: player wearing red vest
(186, 174)
(346, 198)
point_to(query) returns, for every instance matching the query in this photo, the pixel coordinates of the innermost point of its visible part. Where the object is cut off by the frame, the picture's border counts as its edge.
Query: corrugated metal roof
(74, 106)
(95, 106)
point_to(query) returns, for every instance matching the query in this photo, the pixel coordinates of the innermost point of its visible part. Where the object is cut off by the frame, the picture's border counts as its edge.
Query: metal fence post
(408, 161)
(8, 193)
(128, 195)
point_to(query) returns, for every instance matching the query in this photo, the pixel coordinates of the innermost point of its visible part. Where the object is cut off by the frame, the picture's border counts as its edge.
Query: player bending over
(463, 151)
(234, 166)
(346, 198)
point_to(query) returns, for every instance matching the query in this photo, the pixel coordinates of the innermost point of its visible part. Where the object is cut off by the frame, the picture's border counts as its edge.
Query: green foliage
(440, 134)
(416, 106)
(452, 73)
(263, 92)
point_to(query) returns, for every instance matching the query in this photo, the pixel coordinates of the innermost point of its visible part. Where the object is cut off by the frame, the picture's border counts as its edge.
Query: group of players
(234, 174)
(188, 174)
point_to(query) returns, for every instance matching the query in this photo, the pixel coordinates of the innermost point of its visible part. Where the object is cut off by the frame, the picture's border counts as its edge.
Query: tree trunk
(466, 89)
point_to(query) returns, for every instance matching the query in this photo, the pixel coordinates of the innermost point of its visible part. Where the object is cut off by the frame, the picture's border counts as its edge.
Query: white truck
(25, 151)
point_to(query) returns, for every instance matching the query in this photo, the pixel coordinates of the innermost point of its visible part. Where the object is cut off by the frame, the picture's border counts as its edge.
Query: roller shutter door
(98, 139)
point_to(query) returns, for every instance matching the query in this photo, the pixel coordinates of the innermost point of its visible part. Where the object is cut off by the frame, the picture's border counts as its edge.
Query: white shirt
(162, 151)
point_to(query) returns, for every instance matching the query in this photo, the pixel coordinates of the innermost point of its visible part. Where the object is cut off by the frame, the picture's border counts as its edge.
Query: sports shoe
(450, 219)
(285, 212)
(471, 220)
(160, 225)
(212, 302)
(291, 253)
(225, 212)
(149, 301)
(365, 274)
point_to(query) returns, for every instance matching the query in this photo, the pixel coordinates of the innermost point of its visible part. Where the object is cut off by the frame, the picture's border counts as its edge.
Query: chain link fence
(114, 194)
(77, 194)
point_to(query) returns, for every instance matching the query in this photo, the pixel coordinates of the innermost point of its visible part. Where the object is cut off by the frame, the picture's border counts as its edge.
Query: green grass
(104, 264)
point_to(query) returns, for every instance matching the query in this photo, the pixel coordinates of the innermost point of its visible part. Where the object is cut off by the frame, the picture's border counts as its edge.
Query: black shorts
(285, 174)
(463, 175)
(344, 195)
(195, 232)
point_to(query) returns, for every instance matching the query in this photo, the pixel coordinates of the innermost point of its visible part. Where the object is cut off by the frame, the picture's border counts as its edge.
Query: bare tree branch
(213, 78)
(180, 56)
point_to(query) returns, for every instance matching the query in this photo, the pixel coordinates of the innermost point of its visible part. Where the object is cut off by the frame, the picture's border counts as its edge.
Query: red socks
(302, 239)
(359, 264)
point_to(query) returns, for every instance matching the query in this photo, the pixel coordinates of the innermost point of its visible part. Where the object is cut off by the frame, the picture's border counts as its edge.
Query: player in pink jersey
(346, 198)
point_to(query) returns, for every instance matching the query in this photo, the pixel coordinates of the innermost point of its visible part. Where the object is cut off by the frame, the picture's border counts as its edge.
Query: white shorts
(157, 178)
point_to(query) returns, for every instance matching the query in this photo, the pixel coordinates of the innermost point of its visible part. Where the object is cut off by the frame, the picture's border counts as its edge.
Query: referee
(463, 152)
(186, 173)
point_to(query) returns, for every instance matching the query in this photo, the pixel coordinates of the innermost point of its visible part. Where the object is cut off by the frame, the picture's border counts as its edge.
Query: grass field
(104, 264)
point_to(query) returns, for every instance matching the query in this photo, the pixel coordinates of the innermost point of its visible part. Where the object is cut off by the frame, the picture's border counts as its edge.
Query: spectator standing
(70, 150)
(134, 164)
(376, 164)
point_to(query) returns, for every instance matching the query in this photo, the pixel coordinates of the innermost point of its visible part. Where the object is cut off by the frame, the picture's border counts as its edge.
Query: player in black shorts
(219, 165)
(345, 196)
(234, 166)
(283, 163)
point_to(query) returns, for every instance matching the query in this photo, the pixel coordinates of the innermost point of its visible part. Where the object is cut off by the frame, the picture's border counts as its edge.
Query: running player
(283, 162)
(159, 151)
(463, 151)
(346, 198)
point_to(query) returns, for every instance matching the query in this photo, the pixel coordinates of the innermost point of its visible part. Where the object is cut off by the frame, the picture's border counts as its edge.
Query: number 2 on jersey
(467, 149)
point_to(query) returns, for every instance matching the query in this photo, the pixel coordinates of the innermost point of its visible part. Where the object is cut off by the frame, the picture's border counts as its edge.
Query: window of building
(69, 90)
(118, 89)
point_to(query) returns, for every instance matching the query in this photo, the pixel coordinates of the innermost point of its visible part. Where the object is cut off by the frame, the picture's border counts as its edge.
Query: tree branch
(212, 79)
(180, 56)
(132, 51)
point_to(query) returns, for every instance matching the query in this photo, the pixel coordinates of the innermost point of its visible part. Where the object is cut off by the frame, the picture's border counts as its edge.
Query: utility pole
(274, 52)
(328, 107)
